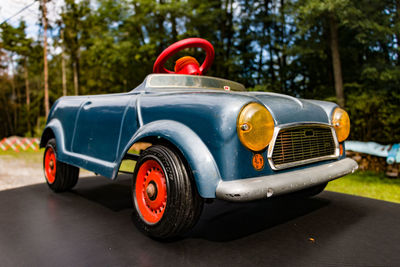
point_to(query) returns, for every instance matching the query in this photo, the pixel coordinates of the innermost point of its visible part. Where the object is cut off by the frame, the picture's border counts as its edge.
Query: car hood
(287, 109)
(284, 109)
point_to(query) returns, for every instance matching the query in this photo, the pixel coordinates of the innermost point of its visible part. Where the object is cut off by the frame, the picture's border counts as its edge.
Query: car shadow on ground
(114, 195)
(220, 221)
(224, 221)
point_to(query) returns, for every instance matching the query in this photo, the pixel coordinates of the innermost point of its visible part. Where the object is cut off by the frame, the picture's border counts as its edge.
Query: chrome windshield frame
(180, 81)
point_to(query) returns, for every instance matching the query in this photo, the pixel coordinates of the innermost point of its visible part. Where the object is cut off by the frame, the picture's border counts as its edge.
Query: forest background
(347, 51)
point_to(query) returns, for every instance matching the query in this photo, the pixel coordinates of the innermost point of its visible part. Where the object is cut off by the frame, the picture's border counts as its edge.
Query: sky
(30, 15)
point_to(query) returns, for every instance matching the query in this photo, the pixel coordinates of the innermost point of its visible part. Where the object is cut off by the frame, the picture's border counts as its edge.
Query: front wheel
(165, 198)
(59, 176)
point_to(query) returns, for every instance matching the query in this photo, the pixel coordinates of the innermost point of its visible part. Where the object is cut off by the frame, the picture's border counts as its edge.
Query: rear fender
(55, 127)
(196, 153)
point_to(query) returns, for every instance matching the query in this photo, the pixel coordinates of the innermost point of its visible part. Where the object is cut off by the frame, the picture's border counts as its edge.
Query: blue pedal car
(202, 138)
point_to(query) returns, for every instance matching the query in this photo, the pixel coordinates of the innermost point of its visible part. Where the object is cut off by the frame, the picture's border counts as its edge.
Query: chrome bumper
(282, 183)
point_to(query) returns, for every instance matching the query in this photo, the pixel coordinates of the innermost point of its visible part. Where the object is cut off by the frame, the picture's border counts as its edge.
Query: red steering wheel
(186, 65)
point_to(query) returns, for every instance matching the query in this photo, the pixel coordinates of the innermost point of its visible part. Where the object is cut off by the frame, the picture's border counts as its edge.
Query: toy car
(206, 138)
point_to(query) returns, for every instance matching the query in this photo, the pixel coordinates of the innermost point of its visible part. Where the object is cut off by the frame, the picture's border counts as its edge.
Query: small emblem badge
(309, 133)
(227, 88)
(258, 162)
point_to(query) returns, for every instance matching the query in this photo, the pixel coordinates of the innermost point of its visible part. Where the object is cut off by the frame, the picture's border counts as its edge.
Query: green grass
(127, 165)
(28, 156)
(368, 184)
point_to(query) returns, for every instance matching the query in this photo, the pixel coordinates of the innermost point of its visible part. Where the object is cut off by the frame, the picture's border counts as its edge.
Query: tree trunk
(46, 85)
(260, 65)
(174, 30)
(267, 27)
(28, 97)
(398, 32)
(138, 27)
(337, 69)
(9, 126)
(63, 74)
(282, 56)
(76, 75)
(14, 97)
(160, 24)
(229, 33)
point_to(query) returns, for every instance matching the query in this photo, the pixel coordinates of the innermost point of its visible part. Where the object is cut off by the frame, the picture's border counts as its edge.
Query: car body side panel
(83, 161)
(98, 126)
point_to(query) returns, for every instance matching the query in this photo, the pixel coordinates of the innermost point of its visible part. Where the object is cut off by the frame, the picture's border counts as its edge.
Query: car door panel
(98, 126)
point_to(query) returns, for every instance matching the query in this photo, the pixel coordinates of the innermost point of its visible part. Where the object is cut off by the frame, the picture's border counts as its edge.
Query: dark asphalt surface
(92, 226)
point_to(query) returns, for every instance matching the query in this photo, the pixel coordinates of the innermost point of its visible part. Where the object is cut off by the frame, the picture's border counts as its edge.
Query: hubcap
(50, 165)
(151, 191)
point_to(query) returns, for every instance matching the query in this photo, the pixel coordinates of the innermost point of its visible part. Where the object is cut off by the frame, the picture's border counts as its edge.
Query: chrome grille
(304, 144)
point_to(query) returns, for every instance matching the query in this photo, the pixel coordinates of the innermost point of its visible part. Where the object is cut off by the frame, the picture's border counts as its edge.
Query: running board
(125, 172)
(131, 156)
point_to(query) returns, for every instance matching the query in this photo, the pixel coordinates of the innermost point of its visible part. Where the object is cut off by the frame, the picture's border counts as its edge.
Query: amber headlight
(341, 122)
(255, 126)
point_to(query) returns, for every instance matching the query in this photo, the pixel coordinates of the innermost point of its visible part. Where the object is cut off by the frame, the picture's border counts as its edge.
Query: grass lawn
(368, 184)
(128, 165)
(28, 156)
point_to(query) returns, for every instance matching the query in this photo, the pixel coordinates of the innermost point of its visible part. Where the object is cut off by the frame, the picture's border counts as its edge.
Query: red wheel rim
(50, 165)
(151, 191)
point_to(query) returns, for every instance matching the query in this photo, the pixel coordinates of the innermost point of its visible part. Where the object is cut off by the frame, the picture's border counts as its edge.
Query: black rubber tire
(66, 175)
(311, 191)
(183, 206)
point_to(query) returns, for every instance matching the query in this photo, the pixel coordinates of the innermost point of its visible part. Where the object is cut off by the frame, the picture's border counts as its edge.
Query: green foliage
(269, 45)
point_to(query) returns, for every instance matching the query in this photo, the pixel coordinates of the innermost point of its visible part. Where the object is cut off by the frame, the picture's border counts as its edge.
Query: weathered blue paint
(95, 132)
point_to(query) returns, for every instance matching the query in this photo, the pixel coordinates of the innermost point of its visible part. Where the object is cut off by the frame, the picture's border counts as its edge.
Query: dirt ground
(17, 172)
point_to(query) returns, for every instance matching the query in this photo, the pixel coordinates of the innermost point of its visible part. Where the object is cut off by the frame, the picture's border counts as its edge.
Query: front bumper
(283, 183)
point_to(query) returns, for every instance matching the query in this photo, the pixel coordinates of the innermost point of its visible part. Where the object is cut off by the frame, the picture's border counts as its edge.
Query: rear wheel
(59, 176)
(165, 198)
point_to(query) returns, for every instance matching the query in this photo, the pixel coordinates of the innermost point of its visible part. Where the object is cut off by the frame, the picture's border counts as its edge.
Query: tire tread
(184, 205)
(66, 175)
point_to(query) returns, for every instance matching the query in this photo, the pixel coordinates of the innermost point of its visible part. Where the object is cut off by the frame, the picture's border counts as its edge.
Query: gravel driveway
(17, 172)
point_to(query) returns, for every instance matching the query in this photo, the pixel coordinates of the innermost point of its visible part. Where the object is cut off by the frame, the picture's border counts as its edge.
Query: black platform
(91, 226)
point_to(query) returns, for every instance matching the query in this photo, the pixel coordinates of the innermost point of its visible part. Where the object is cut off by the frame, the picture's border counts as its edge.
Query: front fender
(199, 158)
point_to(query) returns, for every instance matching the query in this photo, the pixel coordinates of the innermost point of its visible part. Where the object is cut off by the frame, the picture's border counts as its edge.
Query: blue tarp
(390, 152)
